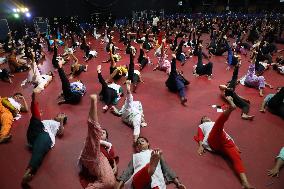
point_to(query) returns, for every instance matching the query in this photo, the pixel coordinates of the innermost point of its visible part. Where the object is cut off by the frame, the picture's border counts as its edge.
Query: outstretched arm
(278, 164)
(128, 87)
(112, 62)
(24, 107)
(75, 58)
(263, 106)
(93, 113)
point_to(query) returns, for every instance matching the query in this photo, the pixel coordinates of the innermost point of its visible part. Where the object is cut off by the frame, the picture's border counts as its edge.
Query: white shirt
(94, 53)
(155, 21)
(15, 104)
(115, 86)
(140, 160)
(51, 127)
(206, 128)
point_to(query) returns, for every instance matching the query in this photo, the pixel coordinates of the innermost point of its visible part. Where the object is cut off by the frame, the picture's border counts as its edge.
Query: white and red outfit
(141, 178)
(214, 138)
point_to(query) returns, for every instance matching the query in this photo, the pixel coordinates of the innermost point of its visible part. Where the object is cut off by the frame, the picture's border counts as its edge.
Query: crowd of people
(172, 41)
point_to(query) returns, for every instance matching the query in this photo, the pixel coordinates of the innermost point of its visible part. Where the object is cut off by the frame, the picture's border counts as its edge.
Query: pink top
(94, 160)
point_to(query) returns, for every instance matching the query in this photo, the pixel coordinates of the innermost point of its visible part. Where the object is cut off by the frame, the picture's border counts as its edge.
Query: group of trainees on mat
(147, 168)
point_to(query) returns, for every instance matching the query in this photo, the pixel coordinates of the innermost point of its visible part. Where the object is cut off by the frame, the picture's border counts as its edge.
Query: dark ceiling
(121, 7)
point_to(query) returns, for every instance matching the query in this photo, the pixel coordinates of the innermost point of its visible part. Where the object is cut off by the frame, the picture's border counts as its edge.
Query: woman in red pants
(211, 136)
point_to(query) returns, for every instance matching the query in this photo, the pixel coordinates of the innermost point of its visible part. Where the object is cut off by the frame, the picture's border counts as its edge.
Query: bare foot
(155, 159)
(143, 124)
(5, 138)
(61, 102)
(183, 100)
(247, 186)
(93, 97)
(262, 110)
(27, 177)
(99, 68)
(248, 117)
(105, 108)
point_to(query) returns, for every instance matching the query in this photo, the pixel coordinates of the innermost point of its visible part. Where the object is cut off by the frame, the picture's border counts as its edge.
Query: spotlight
(28, 14)
(14, 10)
(26, 9)
(17, 10)
(23, 10)
(16, 15)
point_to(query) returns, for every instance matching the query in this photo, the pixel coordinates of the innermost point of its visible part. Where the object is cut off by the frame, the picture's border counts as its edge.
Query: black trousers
(69, 96)
(108, 94)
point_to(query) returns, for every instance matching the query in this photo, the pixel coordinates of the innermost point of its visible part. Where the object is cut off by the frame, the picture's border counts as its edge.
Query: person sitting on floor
(278, 164)
(41, 137)
(176, 82)
(131, 112)
(147, 169)
(211, 136)
(92, 159)
(252, 80)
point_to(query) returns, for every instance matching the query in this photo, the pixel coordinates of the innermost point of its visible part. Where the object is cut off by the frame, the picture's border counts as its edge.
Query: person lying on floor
(147, 169)
(143, 59)
(147, 45)
(71, 92)
(252, 80)
(76, 68)
(16, 64)
(116, 72)
(92, 159)
(200, 68)
(133, 75)
(179, 52)
(131, 112)
(229, 94)
(114, 57)
(279, 65)
(163, 63)
(35, 77)
(67, 52)
(90, 53)
(279, 163)
(5, 75)
(212, 137)
(10, 107)
(233, 58)
(274, 103)
(176, 82)
(111, 93)
(41, 137)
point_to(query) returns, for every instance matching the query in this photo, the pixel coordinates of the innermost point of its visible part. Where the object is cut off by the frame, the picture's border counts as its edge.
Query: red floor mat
(171, 127)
